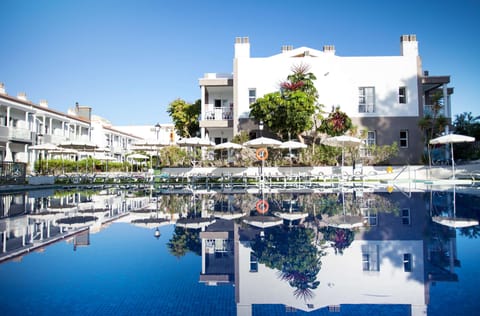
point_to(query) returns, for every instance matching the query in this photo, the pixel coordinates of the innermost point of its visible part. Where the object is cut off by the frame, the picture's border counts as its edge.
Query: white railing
(221, 113)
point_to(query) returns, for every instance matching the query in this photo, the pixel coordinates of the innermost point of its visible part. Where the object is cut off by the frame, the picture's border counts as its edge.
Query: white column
(8, 153)
(24, 236)
(446, 106)
(203, 255)
(8, 116)
(4, 235)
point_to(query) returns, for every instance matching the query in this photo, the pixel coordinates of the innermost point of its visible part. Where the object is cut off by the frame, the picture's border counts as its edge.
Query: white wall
(338, 79)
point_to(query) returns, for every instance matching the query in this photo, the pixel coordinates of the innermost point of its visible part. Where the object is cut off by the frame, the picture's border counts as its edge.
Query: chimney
(2, 88)
(43, 103)
(408, 45)
(22, 96)
(286, 48)
(242, 47)
(329, 49)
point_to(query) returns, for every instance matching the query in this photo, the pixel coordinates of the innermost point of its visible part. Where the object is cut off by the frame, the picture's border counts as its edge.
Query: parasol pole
(453, 161)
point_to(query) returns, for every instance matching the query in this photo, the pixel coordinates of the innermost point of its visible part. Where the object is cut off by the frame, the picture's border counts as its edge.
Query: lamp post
(157, 131)
(260, 127)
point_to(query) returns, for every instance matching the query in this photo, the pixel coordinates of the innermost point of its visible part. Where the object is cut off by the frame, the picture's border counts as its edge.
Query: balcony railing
(12, 172)
(222, 113)
(428, 110)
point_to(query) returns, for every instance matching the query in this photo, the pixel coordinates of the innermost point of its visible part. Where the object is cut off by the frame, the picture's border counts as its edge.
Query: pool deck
(291, 178)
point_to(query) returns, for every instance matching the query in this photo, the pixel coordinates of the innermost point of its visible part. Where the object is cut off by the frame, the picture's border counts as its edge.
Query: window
(371, 218)
(407, 262)
(252, 95)
(404, 138)
(366, 99)
(405, 214)
(370, 260)
(371, 138)
(253, 262)
(370, 141)
(218, 103)
(402, 95)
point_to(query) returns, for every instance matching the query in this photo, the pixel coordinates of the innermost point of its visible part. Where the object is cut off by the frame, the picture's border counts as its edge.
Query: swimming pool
(398, 262)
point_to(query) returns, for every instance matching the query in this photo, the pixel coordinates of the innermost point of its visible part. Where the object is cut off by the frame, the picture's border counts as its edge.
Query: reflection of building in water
(217, 253)
(389, 262)
(32, 219)
(81, 239)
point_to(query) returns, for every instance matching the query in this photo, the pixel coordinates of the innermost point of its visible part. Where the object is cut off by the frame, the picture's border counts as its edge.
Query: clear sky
(128, 59)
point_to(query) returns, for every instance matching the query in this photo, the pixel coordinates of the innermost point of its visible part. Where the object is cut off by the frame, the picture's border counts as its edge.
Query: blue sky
(128, 59)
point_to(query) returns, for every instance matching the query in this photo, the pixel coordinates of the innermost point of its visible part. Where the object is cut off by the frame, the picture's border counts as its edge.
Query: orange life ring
(262, 153)
(262, 206)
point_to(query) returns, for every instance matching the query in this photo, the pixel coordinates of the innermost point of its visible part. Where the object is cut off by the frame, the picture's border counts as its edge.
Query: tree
(467, 124)
(290, 110)
(337, 123)
(185, 117)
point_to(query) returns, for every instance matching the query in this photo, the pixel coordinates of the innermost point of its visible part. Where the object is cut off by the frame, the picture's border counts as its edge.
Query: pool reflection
(344, 246)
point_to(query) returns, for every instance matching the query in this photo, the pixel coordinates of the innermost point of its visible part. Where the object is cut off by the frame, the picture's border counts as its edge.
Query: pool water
(399, 262)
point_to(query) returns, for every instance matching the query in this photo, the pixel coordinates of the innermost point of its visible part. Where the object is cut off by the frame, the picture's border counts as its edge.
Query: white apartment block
(24, 123)
(385, 96)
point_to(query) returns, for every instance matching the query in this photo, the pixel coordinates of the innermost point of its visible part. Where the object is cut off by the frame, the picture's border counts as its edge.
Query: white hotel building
(383, 95)
(24, 123)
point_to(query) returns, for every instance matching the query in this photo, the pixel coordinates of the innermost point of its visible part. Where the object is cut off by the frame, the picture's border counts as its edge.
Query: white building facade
(385, 96)
(24, 124)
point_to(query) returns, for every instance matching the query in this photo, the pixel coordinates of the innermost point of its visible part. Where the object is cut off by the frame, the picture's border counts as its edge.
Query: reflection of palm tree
(184, 240)
(293, 253)
(304, 282)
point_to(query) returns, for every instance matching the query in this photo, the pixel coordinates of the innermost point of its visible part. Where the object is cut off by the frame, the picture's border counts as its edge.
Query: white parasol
(262, 142)
(342, 141)
(450, 139)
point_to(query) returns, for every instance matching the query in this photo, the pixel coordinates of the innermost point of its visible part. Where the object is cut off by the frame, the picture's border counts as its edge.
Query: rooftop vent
(43, 103)
(329, 49)
(287, 48)
(408, 38)
(2, 88)
(22, 96)
(242, 40)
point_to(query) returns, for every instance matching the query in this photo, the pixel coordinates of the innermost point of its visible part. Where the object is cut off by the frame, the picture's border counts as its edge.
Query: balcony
(428, 110)
(16, 134)
(218, 117)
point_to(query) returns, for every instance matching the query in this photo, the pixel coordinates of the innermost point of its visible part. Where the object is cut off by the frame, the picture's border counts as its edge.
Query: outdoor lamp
(157, 129)
(260, 126)
(157, 233)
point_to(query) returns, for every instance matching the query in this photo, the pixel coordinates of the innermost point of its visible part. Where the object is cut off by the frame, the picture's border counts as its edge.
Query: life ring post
(262, 206)
(262, 153)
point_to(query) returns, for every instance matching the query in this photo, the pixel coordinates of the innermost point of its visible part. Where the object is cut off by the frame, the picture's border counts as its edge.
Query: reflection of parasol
(150, 222)
(454, 221)
(344, 221)
(195, 223)
(263, 221)
(76, 221)
(228, 215)
(450, 139)
(291, 216)
(342, 141)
